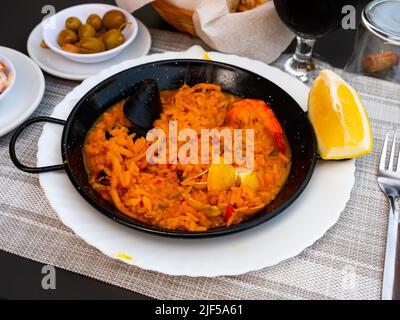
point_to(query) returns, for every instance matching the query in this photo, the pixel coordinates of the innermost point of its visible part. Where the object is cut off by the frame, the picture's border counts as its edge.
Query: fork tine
(398, 160)
(382, 163)
(391, 161)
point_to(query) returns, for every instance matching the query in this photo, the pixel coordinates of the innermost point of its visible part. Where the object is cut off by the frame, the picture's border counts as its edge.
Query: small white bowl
(53, 25)
(12, 77)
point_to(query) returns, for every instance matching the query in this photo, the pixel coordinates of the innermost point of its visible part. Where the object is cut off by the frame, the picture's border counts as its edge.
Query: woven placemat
(347, 263)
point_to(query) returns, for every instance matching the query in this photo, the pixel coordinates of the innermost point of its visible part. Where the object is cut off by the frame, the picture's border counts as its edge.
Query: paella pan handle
(13, 141)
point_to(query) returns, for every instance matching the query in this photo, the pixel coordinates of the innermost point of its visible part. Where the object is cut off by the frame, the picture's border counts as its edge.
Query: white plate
(26, 93)
(59, 66)
(316, 210)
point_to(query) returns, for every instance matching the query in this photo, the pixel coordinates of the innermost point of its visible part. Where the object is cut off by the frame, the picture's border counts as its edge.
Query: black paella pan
(172, 74)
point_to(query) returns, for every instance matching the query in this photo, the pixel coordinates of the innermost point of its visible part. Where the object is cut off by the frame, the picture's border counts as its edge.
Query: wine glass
(309, 20)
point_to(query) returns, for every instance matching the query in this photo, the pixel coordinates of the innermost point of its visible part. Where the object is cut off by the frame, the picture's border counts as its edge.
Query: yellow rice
(154, 194)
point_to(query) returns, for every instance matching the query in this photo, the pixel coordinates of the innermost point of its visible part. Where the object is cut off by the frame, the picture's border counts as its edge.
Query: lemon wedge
(249, 180)
(339, 118)
(221, 177)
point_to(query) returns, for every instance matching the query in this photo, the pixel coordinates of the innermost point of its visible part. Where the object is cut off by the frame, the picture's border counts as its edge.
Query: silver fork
(389, 182)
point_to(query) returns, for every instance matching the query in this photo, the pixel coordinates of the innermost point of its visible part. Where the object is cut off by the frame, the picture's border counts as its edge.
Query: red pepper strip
(228, 213)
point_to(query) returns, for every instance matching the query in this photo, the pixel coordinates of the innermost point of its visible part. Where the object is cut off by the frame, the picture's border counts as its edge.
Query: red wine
(311, 19)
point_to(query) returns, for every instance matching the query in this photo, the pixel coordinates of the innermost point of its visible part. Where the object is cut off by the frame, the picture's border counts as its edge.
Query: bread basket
(180, 18)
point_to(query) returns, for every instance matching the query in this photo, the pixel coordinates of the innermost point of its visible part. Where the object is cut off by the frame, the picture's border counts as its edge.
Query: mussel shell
(140, 132)
(143, 107)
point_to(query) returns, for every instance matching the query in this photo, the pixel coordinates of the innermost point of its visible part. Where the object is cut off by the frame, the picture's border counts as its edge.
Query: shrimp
(250, 111)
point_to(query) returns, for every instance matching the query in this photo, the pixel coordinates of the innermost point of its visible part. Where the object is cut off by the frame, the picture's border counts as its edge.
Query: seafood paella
(192, 196)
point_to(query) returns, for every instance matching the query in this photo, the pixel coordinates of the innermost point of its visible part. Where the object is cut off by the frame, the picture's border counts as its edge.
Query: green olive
(73, 23)
(86, 31)
(66, 36)
(95, 21)
(114, 19)
(113, 38)
(72, 48)
(100, 35)
(91, 45)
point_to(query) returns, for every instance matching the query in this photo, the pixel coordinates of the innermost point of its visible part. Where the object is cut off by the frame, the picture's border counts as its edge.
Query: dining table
(21, 277)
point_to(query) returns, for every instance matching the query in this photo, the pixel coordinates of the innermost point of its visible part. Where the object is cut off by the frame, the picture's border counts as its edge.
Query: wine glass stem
(303, 53)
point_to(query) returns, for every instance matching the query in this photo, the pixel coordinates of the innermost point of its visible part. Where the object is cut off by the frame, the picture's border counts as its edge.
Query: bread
(245, 5)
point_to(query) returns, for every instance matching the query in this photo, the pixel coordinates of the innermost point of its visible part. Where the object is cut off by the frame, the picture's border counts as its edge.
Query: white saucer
(58, 66)
(304, 222)
(25, 95)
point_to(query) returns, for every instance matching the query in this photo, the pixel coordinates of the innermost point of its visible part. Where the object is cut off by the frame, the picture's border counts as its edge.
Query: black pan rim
(185, 234)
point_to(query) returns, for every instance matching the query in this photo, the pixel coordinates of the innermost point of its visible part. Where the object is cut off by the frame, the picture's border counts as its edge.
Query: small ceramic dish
(61, 67)
(56, 23)
(11, 75)
(26, 92)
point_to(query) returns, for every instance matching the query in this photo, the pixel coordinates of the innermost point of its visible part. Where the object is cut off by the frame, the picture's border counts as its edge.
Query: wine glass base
(305, 72)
